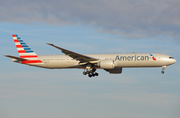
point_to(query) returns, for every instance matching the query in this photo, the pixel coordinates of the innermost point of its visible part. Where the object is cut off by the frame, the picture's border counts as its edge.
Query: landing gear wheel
(84, 73)
(96, 74)
(90, 75)
(93, 75)
(162, 72)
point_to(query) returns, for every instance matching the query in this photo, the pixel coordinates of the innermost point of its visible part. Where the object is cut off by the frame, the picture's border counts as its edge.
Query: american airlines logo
(134, 58)
(153, 57)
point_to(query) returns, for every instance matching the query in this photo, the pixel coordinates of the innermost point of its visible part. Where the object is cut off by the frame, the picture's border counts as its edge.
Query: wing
(13, 57)
(82, 58)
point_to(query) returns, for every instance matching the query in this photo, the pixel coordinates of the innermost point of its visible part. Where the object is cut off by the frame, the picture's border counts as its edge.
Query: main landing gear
(91, 73)
(163, 67)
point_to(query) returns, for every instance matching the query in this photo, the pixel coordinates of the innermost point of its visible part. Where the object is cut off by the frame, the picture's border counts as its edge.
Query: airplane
(112, 63)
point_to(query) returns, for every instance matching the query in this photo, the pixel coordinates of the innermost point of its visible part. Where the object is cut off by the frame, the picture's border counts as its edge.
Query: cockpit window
(171, 58)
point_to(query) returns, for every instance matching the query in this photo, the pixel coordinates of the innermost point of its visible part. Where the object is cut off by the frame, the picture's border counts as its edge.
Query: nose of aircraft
(174, 61)
(171, 60)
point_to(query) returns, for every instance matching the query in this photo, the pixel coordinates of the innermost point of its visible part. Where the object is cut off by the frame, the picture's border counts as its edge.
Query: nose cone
(170, 60)
(174, 61)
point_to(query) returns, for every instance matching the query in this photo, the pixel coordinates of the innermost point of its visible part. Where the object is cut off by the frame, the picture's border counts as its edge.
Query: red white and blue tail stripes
(25, 51)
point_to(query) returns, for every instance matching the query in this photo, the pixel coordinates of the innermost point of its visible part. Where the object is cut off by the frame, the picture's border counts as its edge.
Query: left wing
(82, 58)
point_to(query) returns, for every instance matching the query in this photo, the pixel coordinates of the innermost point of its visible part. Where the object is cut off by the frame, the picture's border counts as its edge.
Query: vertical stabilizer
(23, 49)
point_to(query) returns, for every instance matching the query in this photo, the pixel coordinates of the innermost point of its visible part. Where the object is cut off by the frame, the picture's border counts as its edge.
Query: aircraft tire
(90, 75)
(96, 74)
(84, 73)
(93, 75)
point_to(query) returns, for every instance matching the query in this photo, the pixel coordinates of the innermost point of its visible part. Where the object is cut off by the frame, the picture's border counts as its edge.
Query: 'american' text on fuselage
(132, 58)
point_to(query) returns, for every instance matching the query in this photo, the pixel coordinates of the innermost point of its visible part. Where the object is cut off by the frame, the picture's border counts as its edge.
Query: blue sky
(143, 92)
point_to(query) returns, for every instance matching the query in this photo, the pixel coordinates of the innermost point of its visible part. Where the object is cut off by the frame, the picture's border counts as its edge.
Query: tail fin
(23, 49)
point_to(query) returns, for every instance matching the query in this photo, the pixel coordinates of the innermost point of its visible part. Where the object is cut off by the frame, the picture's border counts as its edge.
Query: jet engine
(106, 64)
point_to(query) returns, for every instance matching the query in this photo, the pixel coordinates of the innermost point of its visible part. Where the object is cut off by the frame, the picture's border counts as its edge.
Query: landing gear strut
(163, 67)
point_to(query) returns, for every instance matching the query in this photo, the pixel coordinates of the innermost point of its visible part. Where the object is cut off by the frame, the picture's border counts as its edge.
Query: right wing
(18, 58)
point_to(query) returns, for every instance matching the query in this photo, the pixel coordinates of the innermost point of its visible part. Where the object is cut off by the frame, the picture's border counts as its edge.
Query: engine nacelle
(115, 71)
(106, 64)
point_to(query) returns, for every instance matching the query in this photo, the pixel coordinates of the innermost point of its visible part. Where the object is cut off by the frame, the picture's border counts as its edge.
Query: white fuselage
(125, 60)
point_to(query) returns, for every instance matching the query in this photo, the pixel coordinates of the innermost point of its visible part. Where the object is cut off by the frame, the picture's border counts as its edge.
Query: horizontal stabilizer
(13, 57)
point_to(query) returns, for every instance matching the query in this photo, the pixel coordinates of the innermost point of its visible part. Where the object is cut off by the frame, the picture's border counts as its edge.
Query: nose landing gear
(163, 67)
